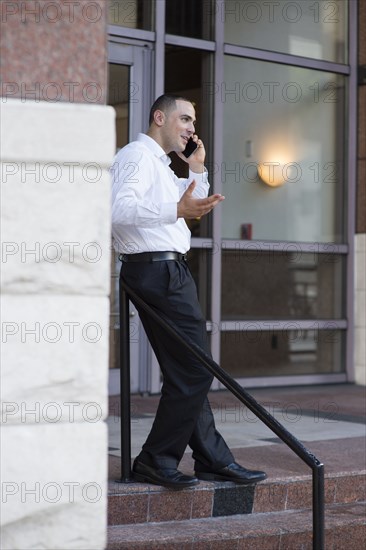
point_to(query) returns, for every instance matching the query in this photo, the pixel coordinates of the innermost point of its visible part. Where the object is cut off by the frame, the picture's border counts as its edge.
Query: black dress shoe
(167, 477)
(231, 472)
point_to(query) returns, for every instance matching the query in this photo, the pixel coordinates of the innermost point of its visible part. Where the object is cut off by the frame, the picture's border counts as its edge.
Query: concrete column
(55, 308)
(360, 309)
(360, 237)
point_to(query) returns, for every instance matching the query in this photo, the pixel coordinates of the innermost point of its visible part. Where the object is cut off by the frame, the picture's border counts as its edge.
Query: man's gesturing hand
(189, 207)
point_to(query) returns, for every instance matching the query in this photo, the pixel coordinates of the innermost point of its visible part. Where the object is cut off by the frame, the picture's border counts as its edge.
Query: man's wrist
(197, 167)
(201, 176)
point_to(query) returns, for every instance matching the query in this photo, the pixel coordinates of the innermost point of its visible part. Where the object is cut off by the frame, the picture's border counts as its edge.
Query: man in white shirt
(149, 207)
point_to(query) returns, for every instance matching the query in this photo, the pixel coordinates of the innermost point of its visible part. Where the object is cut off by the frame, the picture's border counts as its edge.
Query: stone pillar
(360, 309)
(55, 309)
(360, 237)
(57, 143)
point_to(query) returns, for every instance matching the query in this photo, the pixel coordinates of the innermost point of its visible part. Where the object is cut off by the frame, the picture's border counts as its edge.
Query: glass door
(129, 87)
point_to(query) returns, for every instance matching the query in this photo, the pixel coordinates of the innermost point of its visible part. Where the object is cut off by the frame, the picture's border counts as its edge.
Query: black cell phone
(191, 147)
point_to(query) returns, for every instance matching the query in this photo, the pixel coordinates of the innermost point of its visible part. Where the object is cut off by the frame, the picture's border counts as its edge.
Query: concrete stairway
(275, 531)
(275, 514)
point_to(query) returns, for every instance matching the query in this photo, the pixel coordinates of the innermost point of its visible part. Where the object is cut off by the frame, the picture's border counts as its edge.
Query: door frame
(138, 55)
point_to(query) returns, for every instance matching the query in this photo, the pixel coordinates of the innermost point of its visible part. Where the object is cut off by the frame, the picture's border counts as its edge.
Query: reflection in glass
(282, 353)
(187, 72)
(291, 120)
(114, 332)
(118, 97)
(306, 28)
(135, 14)
(291, 284)
(199, 262)
(193, 18)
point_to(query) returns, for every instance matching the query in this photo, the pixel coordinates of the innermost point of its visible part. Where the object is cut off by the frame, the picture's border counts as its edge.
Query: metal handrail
(231, 384)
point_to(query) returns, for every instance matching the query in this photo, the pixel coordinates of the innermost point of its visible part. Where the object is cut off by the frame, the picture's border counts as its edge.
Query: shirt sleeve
(133, 178)
(202, 185)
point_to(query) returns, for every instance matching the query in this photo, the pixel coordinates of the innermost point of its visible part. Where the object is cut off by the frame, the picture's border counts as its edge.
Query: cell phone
(191, 147)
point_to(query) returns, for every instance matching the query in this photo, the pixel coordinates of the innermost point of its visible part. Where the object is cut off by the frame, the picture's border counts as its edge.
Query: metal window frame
(349, 70)
(294, 380)
(351, 187)
(186, 42)
(220, 49)
(127, 32)
(286, 59)
(252, 325)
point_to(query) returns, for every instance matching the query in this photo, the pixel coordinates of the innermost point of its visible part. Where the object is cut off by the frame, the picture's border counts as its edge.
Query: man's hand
(189, 207)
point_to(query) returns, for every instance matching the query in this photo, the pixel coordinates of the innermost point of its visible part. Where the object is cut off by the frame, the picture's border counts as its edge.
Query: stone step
(139, 503)
(345, 529)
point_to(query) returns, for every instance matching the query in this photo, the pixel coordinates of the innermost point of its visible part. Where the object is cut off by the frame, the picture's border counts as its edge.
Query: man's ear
(159, 117)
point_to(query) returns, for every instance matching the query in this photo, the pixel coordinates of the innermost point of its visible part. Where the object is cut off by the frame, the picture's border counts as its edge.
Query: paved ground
(329, 420)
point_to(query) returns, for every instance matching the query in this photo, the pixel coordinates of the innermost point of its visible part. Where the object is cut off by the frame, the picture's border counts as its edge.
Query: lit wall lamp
(272, 173)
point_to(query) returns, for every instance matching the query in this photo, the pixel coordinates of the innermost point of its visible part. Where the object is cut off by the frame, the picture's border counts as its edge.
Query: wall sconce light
(272, 173)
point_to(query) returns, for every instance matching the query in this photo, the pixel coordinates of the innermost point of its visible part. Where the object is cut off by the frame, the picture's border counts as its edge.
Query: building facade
(279, 90)
(279, 265)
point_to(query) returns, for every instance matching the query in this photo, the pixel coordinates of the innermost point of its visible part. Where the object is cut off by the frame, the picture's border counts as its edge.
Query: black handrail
(233, 386)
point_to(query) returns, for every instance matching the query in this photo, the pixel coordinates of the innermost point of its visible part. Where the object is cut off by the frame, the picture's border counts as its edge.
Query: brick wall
(54, 51)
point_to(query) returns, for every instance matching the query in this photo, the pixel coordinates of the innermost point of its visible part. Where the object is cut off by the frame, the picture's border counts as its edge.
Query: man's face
(178, 127)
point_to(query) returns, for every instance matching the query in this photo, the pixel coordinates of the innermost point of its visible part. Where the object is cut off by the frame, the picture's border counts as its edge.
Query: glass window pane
(192, 18)
(118, 97)
(114, 312)
(135, 14)
(283, 157)
(263, 284)
(282, 353)
(187, 72)
(199, 262)
(306, 28)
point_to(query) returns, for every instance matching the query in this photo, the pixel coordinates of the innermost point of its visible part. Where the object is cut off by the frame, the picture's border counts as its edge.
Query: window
(194, 71)
(282, 125)
(135, 14)
(274, 352)
(192, 18)
(270, 283)
(118, 97)
(308, 28)
(274, 92)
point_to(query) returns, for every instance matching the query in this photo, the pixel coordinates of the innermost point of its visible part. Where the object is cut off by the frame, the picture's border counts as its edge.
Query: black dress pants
(184, 415)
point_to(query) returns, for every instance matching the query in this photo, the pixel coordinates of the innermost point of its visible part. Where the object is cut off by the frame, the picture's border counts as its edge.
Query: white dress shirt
(145, 194)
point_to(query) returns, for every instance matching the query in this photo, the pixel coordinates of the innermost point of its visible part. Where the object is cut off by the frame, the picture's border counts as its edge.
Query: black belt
(153, 257)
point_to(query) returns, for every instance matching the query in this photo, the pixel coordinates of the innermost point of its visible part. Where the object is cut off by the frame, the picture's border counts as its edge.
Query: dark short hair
(165, 103)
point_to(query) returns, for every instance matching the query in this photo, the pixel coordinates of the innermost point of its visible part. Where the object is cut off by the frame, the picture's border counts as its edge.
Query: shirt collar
(154, 147)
